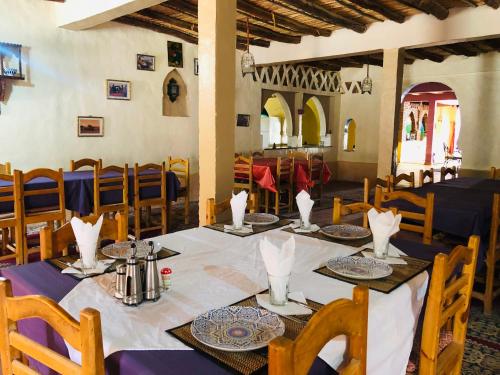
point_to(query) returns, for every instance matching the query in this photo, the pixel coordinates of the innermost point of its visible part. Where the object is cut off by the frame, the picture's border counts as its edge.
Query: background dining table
(79, 191)
(392, 317)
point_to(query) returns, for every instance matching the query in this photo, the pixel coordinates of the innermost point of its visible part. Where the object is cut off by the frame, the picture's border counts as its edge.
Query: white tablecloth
(217, 269)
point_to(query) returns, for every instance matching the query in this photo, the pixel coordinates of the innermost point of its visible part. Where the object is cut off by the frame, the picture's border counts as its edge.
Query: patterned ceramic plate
(260, 219)
(122, 250)
(345, 232)
(237, 328)
(359, 268)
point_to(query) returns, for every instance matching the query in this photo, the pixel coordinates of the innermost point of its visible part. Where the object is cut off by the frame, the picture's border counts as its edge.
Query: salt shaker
(166, 279)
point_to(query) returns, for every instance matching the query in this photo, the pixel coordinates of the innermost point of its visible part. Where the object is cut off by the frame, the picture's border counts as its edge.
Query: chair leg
(488, 291)
(148, 216)
(137, 223)
(169, 213)
(5, 238)
(164, 216)
(277, 203)
(186, 209)
(266, 201)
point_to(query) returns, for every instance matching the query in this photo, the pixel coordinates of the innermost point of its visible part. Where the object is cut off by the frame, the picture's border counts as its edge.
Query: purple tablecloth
(42, 278)
(472, 183)
(79, 192)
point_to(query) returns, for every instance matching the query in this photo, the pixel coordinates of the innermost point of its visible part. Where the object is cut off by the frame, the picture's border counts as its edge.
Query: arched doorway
(429, 128)
(313, 122)
(275, 121)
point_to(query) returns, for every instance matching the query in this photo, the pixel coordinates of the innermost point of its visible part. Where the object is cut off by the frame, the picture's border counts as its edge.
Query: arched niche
(175, 107)
(349, 135)
(313, 122)
(276, 108)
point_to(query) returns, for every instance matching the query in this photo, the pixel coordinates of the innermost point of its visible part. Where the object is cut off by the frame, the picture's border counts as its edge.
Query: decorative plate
(345, 232)
(237, 328)
(260, 219)
(359, 268)
(122, 250)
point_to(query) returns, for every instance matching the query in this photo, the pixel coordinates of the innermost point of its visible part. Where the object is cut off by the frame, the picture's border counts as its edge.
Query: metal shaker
(121, 272)
(133, 280)
(152, 278)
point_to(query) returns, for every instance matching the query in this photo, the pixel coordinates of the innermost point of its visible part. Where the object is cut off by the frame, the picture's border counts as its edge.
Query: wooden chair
(494, 173)
(385, 183)
(448, 300)
(85, 336)
(48, 214)
(316, 173)
(104, 183)
(181, 169)
(491, 290)
(75, 165)
(429, 173)
(243, 174)
(54, 243)
(340, 317)
(426, 203)
(448, 171)
(298, 155)
(214, 209)
(258, 154)
(155, 176)
(284, 184)
(396, 180)
(5, 168)
(10, 223)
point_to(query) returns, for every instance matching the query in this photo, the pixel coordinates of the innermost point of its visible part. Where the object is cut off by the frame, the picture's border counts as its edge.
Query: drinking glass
(278, 289)
(306, 222)
(381, 248)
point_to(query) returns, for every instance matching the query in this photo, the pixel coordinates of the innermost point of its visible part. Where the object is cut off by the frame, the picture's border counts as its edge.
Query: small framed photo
(118, 90)
(145, 62)
(196, 67)
(243, 120)
(90, 126)
(175, 58)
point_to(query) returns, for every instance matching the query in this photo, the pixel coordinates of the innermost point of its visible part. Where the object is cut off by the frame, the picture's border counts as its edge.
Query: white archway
(321, 114)
(288, 113)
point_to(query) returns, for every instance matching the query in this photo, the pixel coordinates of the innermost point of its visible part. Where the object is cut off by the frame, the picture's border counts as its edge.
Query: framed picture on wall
(196, 67)
(243, 120)
(175, 54)
(145, 62)
(90, 126)
(117, 90)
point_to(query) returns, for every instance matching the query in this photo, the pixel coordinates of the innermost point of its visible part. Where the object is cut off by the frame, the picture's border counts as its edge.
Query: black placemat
(59, 263)
(249, 362)
(256, 228)
(400, 275)
(354, 243)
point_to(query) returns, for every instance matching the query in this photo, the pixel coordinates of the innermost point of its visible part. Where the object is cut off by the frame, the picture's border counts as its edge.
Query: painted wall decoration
(196, 66)
(145, 62)
(117, 90)
(175, 58)
(174, 95)
(243, 120)
(90, 126)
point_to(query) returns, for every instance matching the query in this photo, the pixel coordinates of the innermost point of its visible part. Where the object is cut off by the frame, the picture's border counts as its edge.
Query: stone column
(390, 105)
(216, 53)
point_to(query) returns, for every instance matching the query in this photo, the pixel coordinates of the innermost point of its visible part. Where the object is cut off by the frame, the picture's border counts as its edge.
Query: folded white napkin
(383, 225)
(86, 236)
(246, 228)
(291, 308)
(101, 266)
(305, 204)
(389, 259)
(238, 205)
(295, 225)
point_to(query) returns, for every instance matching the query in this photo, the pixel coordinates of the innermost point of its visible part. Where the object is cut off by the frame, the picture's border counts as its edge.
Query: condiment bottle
(166, 279)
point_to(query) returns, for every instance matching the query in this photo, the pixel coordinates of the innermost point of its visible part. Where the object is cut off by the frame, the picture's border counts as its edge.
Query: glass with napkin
(305, 204)
(238, 206)
(279, 263)
(383, 225)
(87, 236)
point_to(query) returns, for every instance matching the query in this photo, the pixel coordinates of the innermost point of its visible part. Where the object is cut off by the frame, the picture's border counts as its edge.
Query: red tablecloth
(264, 172)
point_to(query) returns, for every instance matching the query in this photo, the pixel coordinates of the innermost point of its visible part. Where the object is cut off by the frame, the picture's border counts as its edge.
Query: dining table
(265, 169)
(216, 269)
(79, 191)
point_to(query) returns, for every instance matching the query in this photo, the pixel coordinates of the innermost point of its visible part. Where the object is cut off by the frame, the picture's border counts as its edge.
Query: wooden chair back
(429, 173)
(316, 167)
(426, 203)
(403, 177)
(74, 165)
(85, 336)
(243, 175)
(5, 168)
(10, 220)
(494, 173)
(54, 243)
(258, 154)
(298, 155)
(448, 300)
(340, 317)
(448, 171)
(214, 209)
(385, 183)
(104, 182)
(181, 169)
(284, 172)
(340, 209)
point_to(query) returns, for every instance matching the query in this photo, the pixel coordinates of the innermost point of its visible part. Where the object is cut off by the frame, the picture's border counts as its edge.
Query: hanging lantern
(367, 84)
(173, 90)
(247, 60)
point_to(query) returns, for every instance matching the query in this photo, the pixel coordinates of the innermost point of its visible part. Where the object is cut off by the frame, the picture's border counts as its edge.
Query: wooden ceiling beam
(422, 54)
(265, 16)
(168, 19)
(314, 10)
(130, 20)
(433, 7)
(359, 11)
(493, 3)
(319, 65)
(382, 10)
(458, 49)
(470, 3)
(493, 43)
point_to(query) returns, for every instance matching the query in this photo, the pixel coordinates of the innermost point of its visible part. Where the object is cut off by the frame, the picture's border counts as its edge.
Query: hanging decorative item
(367, 84)
(247, 60)
(173, 90)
